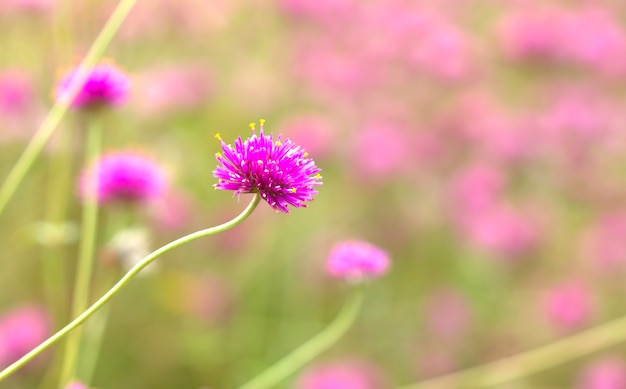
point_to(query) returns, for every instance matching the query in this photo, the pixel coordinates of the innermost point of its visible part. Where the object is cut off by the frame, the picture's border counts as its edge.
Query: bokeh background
(482, 143)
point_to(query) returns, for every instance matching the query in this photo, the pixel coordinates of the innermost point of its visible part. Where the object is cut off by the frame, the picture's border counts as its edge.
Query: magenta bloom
(76, 385)
(125, 176)
(106, 85)
(279, 170)
(356, 260)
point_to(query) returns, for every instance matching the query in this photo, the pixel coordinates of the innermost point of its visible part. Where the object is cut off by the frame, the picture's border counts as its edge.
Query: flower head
(278, 170)
(356, 260)
(105, 85)
(124, 176)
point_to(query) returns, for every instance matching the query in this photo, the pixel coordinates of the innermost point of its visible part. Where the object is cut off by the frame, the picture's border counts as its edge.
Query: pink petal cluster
(568, 306)
(125, 176)
(21, 329)
(280, 171)
(589, 36)
(604, 373)
(356, 260)
(340, 375)
(106, 85)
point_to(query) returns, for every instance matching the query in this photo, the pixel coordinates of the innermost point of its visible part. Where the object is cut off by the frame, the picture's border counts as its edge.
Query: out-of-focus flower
(106, 85)
(604, 373)
(21, 329)
(447, 314)
(555, 34)
(315, 134)
(355, 260)
(341, 375)
(280, 171)
(16, 92)
(125, 176)
(568, 306)
(603, 243)
(76, 385)
(170, 89)
(476, 188)
(503, 231)
(381, 149)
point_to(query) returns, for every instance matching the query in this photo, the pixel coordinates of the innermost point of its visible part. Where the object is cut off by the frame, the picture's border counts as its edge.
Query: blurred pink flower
(603, 242)
(21, 329)
(315, 134)
(355, 261)
(324, 12)
(441, 49)
(16, 92)
(209, 298)
(447, 314)
(503, 231)
(106, 85)
(578, 120)
(381, 150)
(165, 90)
(171, 211)
(125, 176)
(590, 36)
(76, 385)
(604, 373)
(475, 188)
(341, 375)
(568, 305)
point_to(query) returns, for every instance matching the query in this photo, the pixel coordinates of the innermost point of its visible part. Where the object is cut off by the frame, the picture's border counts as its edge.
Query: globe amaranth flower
(105, 85)
(280, 171)
(355, 260)
(125, 176)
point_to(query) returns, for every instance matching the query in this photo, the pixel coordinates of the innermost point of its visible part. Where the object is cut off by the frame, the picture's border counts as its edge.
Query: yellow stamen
(217, 136)
(218, 155)
(262, 121)
(305, 154)
(277, 143)
(293, 190)
(318, 176)
(252, 126)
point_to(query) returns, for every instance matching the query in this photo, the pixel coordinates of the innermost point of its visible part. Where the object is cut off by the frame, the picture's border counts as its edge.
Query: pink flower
(170, 89)
(476, 188)
(604, 373)
(125, 176)
(568, 305)
(313, 133)
(447, 314)
(16, 92)
(603, 243)
(76, 385)
(503, 231)
(340, 375)
(381, 149)
(21, 329)
(356, 260)
(105, 85)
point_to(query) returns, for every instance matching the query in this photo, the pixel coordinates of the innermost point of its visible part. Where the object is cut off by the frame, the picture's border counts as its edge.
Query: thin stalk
(84, 270)
(61, 106)
(533, 361)
(311, 349)
(123, 281)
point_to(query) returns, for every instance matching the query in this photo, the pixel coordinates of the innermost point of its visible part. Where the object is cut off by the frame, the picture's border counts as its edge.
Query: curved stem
(533, 361)
(84, 268)
(311, 349)
(123, 281)
(60, 108)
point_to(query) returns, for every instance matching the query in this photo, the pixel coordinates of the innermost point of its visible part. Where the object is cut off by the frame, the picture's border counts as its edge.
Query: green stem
(311, 349)
(123, 281)
(61, 106)
(84, 270)
(533, 361)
